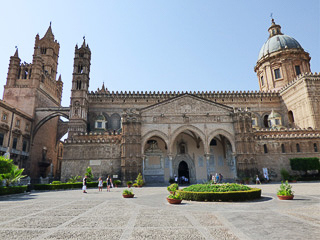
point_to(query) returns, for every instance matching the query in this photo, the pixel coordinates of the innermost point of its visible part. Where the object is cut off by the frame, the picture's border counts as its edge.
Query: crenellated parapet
(165, 95)
(302, 77)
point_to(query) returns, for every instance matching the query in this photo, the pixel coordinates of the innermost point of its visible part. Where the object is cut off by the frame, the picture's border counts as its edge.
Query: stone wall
(101, 153)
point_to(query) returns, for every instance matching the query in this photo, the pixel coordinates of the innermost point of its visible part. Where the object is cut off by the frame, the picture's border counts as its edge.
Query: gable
(187, 104)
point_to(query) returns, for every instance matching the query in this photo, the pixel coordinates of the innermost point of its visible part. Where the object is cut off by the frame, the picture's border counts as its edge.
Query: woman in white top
(100, 184)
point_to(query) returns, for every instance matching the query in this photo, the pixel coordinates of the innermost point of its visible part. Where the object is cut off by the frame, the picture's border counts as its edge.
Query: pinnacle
(16, 53)
(49, 33)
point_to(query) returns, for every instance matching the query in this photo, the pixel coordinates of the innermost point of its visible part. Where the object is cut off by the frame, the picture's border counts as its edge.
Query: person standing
(220, 178)
(257, 180)
(100, 184)
(109, 183)
(84, 183)
(217, 178)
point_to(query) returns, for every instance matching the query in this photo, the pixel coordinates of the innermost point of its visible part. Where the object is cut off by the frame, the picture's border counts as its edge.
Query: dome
(278, 42)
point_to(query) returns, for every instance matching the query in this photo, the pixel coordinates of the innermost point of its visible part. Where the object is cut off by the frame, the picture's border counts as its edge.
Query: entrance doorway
(183, 173)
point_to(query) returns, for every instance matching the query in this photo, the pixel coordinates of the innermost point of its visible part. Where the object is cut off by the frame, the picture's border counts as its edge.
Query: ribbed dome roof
(278, 42)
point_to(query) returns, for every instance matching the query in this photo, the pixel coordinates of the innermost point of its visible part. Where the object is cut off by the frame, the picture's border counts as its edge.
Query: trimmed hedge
(12, 190)
(221, 196)
(77, 185)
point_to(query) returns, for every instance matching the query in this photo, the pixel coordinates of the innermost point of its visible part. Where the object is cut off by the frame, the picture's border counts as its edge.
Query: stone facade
(31, 86)
(198, 134)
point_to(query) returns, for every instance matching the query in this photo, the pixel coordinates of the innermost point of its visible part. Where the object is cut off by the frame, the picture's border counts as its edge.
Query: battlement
(308, 75)
(166, 95)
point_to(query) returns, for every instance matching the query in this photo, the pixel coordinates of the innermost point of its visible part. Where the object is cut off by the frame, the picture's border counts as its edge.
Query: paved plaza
(106, 215)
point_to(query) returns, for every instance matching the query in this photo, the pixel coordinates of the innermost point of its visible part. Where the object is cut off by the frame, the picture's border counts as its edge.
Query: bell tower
(79, 91)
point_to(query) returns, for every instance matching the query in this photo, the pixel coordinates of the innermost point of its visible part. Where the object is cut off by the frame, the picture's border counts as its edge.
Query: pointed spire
(49, 33)
(103, 88)
(59, 79)
(84, 42)
(16, 53)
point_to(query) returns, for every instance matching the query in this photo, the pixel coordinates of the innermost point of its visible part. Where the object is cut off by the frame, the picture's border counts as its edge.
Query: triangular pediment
(187, 104)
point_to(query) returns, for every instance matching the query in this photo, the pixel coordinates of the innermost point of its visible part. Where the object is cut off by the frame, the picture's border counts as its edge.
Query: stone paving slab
(106, 215)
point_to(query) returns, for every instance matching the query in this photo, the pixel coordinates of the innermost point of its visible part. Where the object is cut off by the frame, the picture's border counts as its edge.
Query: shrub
(12, 190)
(56, 182)
(285, 189)
(227, 187)
(305, 164)
(139, 180)
(89, 174)
(135, 185)
(9, 172)
(129, 182)
(221, 196)
(284, 174)
(116, 182)
(175, 196)
(220, 192)
(173, 187)
(62, 186)
(127, 192)
(74, 179)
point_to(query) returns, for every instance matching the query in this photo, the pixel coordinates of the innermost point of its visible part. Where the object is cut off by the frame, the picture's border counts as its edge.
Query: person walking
(217, 178)
(84, 183)
(257, 180)
(220, 178)
(109, 183)
(100, 184)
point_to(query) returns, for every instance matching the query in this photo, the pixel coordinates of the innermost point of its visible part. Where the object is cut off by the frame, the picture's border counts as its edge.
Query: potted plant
(116, 183)
(139, 180)
(135, 185)
(127, 193)
(129, 184)
(285, 192)
(173, 188)
(174, 198)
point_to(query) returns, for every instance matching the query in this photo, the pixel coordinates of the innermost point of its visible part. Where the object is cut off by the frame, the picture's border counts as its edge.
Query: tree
(89, 174)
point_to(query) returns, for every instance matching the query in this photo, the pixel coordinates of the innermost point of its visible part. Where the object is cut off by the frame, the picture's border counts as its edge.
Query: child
(84, 182)
(100, 184)
(257, 180)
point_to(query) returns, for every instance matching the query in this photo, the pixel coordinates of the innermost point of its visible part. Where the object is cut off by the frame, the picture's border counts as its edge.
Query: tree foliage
(9, 172)
(304, 164)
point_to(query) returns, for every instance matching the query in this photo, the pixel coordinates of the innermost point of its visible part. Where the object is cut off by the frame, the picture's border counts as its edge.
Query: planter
(174, 201)
(128, 195)
(129, 185)
(285, 197)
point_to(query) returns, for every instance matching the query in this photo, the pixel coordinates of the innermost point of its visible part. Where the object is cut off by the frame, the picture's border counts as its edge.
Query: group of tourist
(100, 184)
(217, 178)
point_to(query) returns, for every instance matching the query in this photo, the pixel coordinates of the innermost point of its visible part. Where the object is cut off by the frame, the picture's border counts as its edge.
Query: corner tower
(79, 91)
(280, 60)
(32, 85)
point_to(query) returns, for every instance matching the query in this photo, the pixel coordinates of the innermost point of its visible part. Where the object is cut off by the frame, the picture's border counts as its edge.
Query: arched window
(298, 147)
(182, 148)
(213, 142)
(315, 147)
(266, 121)
(291, 118)
(265, 149)
(283, 150)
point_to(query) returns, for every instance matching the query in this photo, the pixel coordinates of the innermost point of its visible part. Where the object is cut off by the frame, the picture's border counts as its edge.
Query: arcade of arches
(189, 159)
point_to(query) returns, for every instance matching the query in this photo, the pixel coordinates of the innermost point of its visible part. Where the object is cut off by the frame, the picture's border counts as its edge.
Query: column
(170, 166)
(207, 156)
(143, 159)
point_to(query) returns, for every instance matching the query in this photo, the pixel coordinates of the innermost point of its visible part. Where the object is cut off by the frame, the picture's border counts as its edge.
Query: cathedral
(162, 135)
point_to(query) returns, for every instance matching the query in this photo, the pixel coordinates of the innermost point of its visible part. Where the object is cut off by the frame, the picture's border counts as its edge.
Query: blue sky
(159, 45)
